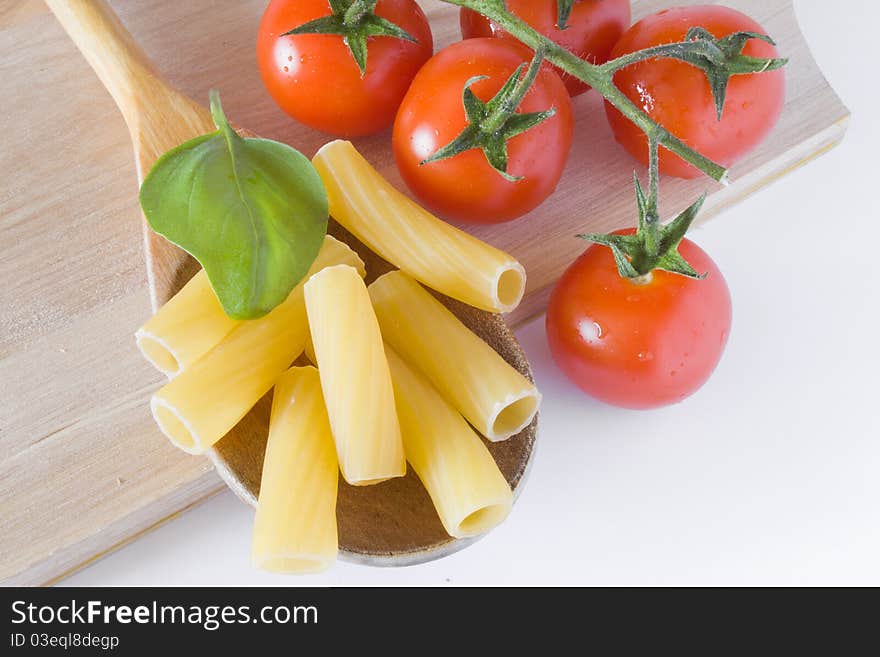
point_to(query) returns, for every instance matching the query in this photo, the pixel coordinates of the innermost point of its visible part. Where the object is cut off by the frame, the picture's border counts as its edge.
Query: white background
(769, 475)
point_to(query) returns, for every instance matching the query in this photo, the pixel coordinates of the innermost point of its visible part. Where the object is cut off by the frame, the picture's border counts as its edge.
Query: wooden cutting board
(83, 470)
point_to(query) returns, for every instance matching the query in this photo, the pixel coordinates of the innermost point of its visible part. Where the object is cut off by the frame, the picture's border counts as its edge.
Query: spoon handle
(111, 51)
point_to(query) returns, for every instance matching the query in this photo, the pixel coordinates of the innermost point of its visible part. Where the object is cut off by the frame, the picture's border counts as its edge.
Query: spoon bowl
(393, 523)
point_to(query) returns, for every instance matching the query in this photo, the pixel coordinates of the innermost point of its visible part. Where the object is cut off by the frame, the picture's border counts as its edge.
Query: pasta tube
(198, 407)
(309, 351)
(295, 524)
(354, 377)
(189, 325)
(185, 328)
(468, 490)
(493, 396)
(405, 234)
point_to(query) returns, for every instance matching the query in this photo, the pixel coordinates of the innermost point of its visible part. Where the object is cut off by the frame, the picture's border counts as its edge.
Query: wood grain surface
(82, 468)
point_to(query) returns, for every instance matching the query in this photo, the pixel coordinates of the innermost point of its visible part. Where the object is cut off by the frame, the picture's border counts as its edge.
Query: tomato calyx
(652, 246)
(563, 11)
(356, 22)
(638, 254)
(719, 59)
(491, 124)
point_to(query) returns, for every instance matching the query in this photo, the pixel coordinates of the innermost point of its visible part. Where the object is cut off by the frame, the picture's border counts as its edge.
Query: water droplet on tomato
(646, 98)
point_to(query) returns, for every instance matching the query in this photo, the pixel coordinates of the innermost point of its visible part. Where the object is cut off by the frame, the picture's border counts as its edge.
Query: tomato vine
(653, 246)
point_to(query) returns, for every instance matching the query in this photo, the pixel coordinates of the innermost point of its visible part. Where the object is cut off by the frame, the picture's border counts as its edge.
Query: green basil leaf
(253, 212)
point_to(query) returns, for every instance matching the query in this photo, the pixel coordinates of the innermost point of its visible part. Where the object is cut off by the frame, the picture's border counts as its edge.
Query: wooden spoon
(393, 523)
(158, 116)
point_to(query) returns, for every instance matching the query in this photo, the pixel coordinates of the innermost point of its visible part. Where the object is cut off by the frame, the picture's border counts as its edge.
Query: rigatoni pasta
(185, 328)
(401, 231)
(295, 525)
(492, 395)
(189, 325)
(206, 400)
(468, 490)
(354, 377)
(309, 351)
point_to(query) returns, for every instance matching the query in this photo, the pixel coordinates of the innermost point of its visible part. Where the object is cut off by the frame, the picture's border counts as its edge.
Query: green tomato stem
(653, 245)
(356, 23)
(358, 10)
(667, 50)
(598, 77)
(652, 216)
(563, 11)
(491, 124)
(496, 120)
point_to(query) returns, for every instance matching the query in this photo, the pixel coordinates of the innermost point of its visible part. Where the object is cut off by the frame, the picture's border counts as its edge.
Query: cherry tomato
(677, 95)
(638, 345)
(315, 79)
(592, 29)
(466, 187)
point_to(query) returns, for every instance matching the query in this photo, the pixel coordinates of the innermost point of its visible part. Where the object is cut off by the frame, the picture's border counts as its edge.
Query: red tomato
(638, 345)
(677, 95)
(466, 187)
(315, 79)
(592, 29)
